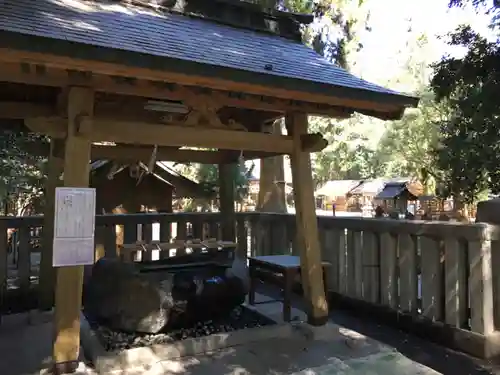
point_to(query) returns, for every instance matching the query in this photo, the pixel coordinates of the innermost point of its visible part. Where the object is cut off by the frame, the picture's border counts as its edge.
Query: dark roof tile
(175, 36)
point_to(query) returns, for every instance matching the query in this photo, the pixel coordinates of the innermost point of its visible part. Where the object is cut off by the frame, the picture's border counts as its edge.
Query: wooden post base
(64, 368)
(317, 321)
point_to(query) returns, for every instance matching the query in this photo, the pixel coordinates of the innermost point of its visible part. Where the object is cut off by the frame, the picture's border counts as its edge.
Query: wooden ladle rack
(130, 252)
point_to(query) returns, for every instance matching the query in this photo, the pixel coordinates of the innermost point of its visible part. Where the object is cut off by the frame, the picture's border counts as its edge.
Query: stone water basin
(218, 309)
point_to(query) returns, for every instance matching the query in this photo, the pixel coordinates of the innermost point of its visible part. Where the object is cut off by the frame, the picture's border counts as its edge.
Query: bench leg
(287, 295)
(325, 282)
(251, 290)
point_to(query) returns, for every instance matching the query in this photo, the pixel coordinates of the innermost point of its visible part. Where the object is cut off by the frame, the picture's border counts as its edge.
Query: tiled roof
(176, 36)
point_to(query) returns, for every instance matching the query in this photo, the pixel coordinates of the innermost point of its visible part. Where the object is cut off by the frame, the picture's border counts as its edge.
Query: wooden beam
(134, 153)
(307, 224)
(21, 110)
(68, 296)
(26, 110)
(165, 153)
(130, 85)
(101, 130)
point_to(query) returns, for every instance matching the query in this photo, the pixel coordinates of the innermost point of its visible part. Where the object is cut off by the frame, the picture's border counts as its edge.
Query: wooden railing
(442, 272)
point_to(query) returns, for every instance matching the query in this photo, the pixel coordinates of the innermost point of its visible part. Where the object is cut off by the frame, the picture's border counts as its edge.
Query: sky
(380, 59)
(390, 20)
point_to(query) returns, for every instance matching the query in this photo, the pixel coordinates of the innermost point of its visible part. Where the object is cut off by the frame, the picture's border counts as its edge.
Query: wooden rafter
(36, 74)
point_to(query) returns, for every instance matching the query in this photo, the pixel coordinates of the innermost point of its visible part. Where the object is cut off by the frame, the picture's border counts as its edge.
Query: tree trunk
(271, 238)
(272, 196)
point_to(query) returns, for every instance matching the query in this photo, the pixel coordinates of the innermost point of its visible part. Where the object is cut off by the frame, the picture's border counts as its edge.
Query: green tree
(406, 147)
(208, 175)
(347, 155)
(407, 144)
(22, 174)
(468, 152)
(469, 146)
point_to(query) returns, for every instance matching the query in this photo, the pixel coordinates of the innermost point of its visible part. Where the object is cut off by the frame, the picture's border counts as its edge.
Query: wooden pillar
(47, 272)
(226, 199)
(307, 225)
(68, 296)
(130, 230)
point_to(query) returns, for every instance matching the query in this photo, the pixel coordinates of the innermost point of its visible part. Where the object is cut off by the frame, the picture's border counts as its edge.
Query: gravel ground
(239, 318)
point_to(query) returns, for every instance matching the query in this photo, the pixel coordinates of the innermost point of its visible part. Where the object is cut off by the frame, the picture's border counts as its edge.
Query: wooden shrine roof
(139, 37)
(183, 187)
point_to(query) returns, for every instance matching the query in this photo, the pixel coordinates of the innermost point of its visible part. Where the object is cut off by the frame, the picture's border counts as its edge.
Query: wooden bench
(280, 271)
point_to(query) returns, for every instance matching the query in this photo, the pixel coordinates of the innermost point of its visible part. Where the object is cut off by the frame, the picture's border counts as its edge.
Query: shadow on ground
(439, 358)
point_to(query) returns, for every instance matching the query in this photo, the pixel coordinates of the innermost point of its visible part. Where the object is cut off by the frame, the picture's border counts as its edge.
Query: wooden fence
(440, 272)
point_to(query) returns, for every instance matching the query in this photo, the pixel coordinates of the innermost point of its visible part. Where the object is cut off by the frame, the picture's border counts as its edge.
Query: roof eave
(63, 48)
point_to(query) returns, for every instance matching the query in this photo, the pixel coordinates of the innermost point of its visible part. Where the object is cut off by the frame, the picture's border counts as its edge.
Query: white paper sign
(74, 225)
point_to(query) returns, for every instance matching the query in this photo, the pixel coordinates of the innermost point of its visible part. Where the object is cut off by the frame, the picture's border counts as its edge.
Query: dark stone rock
(126, 300)
(207, 297)
(119, 295)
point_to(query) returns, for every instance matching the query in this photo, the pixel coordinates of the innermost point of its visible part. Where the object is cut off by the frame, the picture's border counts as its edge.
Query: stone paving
(328, 353)
(25, 344)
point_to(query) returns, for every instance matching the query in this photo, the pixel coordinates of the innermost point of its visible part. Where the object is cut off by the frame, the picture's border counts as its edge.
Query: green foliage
(407, 144)
(405, 147)
(347, 155)
(208, 175)
(22, 174)
(335, 30)
(469, 150)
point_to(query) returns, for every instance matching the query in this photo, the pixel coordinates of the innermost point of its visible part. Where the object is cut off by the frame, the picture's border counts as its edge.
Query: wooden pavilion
(205, 74)
(396, 194)
(132, 188)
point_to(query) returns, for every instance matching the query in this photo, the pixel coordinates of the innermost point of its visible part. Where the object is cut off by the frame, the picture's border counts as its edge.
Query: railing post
(455, 283)
(227, 200)
(110, 247)
(242, 236)
(181, 232)
(432, 285)
(330, 253)
(408, 273)
(340, 239)
(278, 235)
(354, 264)
(388, 270)
(147, 232)
(47, 272)
(371, 267)
(129, 233)
(24, 259)
(3, 264)
(481, 287)
(165, 228)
